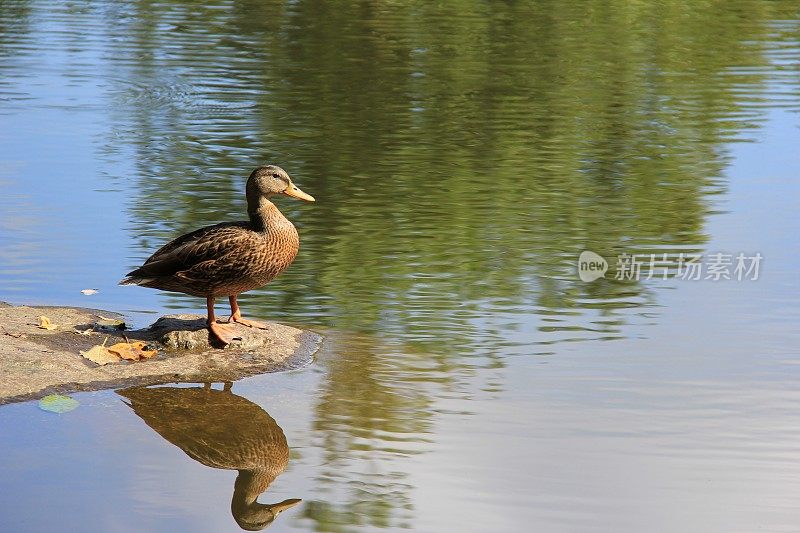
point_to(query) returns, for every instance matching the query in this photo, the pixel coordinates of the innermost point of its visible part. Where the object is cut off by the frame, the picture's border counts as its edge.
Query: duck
(227, 259)
(220, 429)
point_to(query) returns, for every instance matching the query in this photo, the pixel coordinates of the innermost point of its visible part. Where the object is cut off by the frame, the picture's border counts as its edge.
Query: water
(462, 157)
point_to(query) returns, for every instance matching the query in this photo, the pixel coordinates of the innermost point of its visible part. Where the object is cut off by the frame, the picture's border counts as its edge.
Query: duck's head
(270, 180)
(257, 516)
(245, 508)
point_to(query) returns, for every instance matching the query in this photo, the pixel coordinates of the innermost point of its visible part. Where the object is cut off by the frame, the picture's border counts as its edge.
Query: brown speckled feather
(225, 259)
(218, 429)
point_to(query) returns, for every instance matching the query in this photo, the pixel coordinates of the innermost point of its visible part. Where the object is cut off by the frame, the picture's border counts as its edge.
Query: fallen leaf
(56, 403)
(44, 323)
(100, 354)
(87, 331)
(89, 292)
(132, 351)
(109, 323)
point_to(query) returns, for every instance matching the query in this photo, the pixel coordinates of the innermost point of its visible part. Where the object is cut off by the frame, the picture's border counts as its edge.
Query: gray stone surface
(35, 362)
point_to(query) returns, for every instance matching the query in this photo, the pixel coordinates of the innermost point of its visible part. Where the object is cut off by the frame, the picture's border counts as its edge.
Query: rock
(35, 362)
(188, 332)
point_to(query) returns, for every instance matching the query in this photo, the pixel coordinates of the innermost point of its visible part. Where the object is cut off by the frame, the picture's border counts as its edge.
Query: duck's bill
(294, 192)
(285, 504)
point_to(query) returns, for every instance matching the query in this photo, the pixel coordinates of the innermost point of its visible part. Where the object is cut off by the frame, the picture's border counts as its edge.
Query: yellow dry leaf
(132, 351)
(100, 354)
(124, 350)
(44, 323)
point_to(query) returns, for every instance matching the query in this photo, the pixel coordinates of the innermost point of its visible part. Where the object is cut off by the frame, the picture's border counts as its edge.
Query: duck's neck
(249, 485)
(246, 510)
(262, 213)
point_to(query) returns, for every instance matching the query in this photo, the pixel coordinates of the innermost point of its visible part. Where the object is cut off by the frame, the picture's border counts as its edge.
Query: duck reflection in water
(221, 430)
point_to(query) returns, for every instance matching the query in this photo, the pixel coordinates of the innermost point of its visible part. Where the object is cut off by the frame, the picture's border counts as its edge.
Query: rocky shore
(35, 361)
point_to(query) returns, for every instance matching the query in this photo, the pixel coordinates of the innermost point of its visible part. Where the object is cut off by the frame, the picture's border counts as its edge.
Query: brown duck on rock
(230, 258)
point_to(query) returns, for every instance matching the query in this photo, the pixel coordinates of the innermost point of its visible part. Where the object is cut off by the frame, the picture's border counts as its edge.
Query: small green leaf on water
(56, 403)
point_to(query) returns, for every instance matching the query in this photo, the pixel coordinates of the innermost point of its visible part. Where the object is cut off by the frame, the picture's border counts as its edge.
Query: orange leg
(222, 333)
(236, 316)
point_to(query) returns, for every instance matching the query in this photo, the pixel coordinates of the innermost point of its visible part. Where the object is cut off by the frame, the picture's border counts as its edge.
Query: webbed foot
(222, 332)
(247, 322)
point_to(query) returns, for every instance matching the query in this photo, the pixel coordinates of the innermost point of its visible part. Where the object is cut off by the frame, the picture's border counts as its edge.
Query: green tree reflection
(462, 157)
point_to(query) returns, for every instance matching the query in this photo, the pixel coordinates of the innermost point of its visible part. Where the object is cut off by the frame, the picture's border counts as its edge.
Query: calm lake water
(462, 156)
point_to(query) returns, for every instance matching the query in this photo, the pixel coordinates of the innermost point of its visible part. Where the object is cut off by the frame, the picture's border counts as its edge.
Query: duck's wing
(200, 248)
